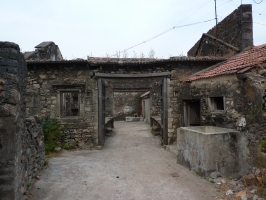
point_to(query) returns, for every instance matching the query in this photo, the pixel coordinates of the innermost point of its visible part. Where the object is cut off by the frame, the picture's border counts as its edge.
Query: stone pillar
(246, 26)
(13, 81)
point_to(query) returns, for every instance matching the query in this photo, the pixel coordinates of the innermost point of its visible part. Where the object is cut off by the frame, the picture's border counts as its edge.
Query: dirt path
(132, 165)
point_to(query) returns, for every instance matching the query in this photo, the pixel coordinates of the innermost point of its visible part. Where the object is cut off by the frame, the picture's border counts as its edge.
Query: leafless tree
(151, 53)
(125, 54)
(117, 54)
(141, 55)
(135, 55)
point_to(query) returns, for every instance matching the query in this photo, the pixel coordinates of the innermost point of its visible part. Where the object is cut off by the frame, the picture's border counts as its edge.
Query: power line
(252, 11)
(257, 2)
(258, 23)
(164, 33)
(194, 12)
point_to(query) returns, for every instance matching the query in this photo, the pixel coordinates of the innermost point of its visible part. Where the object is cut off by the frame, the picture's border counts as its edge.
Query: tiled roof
(198, 58)
(240, 63)
(122, 60)
(151, 60)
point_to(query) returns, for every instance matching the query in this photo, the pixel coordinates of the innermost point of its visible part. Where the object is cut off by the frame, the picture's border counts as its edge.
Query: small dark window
(216, 103)
(70, 104)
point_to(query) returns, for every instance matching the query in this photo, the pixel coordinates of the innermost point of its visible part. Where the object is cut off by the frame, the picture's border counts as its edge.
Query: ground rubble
(250, 187)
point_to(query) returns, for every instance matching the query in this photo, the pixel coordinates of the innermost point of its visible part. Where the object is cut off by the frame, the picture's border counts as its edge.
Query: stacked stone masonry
(21, 142)
(242, 98)
(46, 84)
(235, 30)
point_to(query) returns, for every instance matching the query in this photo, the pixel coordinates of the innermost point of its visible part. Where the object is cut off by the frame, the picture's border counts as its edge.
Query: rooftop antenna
(216, 19)
(216, 22)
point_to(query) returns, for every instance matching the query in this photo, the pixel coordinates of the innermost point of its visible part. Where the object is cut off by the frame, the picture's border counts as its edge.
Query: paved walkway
(132, 165)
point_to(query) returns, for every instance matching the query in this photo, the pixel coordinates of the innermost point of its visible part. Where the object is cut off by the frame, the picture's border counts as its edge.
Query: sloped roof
(239, 63)
(28, 54)
(44, 44)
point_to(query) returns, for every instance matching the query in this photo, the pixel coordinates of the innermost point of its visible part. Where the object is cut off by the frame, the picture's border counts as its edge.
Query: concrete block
(207, 149)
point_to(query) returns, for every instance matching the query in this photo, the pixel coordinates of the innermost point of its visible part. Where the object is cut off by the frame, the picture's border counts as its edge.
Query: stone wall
(127, 104)
(236, 30)
(211, 46)
(21, 143)
(33, 152)
(48, 82)
(180, 71)
(243, 99)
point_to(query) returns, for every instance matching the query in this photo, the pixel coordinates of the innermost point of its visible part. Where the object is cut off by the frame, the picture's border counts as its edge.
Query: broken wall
(180, 71)
(242, 110)
(236, 30)
(45, 51)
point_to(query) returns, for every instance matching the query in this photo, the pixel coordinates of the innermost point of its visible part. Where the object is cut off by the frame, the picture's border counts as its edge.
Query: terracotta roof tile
(238, 64)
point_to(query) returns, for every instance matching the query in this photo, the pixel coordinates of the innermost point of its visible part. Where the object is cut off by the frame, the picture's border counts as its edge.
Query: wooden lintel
(150, 75)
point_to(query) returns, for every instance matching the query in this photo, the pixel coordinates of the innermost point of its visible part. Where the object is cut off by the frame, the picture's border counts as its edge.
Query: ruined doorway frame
(164, 105)
(188, 106)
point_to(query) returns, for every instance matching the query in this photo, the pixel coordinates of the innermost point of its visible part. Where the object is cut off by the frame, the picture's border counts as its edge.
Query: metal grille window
(70, 104)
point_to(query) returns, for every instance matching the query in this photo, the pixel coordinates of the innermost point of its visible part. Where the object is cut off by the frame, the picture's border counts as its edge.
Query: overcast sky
(84, 28)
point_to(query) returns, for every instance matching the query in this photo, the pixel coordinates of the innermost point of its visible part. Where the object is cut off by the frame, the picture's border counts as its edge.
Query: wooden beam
(100, 107)
(165, 112)
(131, 89)
(150, 75)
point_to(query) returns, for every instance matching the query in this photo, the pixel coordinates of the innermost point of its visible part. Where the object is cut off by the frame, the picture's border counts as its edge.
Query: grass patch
(52, 133)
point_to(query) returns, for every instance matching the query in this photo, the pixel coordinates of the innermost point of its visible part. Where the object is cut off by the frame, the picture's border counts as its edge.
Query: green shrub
(263, 146)
(68, 146)
(52, 133)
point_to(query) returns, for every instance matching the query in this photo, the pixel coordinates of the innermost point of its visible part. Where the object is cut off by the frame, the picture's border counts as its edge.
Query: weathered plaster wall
(21, 143)
(146, 111)
(198, 149)
(236, 29)
(45, 85)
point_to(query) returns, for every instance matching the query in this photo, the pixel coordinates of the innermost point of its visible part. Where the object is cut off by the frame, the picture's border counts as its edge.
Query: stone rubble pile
(250, 186)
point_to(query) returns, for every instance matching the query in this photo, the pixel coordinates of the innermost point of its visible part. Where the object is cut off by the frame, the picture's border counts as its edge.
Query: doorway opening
(192, 112)
(127, 83)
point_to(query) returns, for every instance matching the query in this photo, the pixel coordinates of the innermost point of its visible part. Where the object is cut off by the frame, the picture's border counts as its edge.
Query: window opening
(216, 103)
(70, 104)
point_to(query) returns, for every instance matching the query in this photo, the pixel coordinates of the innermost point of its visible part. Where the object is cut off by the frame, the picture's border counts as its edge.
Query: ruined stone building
(220, 83)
